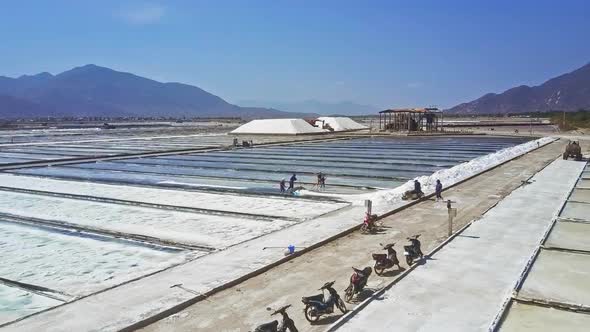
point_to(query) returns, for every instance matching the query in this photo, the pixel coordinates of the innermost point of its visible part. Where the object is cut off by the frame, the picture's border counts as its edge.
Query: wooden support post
(452, 214)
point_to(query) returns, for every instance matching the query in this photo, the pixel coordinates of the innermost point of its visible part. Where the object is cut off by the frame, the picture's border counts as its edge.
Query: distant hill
(25, 108)
(98, 91)
(569, 92)
(318, 107)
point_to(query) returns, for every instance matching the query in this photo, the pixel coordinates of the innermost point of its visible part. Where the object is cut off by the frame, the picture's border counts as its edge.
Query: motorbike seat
(318, 298)
(379, 257)
(272, 326)
(359, 271)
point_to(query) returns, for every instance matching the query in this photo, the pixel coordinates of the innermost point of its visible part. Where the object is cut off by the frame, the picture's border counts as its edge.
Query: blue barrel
(291, 248)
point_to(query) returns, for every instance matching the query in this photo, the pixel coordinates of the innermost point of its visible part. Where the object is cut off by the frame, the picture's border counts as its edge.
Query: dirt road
(243, 307)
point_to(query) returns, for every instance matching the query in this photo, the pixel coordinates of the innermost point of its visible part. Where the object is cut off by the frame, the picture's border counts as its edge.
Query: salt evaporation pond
(73, 263)
(233, 195)
(16, 303)
(269, 207)
(356, 163)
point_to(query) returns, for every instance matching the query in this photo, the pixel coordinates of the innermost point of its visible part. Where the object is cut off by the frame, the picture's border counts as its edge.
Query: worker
(323, 181)
(418, 188)
(283, 185)
(438, 190)
(292, 182)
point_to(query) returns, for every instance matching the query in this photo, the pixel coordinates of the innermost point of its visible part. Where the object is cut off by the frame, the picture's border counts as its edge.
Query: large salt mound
(278, 127)
(342, 124)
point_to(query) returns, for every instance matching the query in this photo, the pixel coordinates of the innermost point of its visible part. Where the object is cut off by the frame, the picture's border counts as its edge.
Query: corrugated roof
(411, 110)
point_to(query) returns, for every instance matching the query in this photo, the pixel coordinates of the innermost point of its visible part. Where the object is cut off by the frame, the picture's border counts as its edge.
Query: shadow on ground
(328, 320)
(360, 297)
(393, 273)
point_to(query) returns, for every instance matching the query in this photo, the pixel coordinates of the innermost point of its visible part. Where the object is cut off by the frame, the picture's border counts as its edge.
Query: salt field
(16, 303)
(554, 293)
(54, 146)
(79, 265)
(108, 222)
(353, 164)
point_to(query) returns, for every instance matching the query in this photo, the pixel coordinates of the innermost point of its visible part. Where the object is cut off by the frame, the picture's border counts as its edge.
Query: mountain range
(568, 92)
(94, 91)
(346, 108)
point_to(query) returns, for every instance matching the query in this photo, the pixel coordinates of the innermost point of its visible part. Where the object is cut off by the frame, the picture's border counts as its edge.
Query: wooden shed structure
(411, 119)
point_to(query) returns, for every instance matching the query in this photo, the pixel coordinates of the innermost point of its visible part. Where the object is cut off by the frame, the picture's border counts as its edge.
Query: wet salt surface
(16, 303)
(263, 206)
(260, 183)
(73, 264)
(179, 227)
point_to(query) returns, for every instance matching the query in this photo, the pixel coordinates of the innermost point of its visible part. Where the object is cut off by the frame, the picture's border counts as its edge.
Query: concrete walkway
(463, 286)
(555, 295)
(242, 307)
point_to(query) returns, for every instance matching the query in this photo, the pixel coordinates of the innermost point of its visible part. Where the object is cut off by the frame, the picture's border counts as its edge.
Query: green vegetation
(565, 120)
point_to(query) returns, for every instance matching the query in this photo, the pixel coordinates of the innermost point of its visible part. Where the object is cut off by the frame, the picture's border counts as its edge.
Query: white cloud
(142, 14)
(414, 85)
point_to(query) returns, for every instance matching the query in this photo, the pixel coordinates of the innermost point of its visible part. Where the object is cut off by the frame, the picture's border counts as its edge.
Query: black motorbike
(286, 325)
(386, 261)
(413, 251)
(317, 305)
(358, 281)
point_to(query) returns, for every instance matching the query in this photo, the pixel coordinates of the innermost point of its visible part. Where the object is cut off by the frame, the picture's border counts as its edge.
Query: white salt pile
(383, 200)
(342, 123)
(278, 127)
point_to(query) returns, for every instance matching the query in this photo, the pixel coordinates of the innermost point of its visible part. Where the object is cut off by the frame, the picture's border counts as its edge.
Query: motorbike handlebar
(281, 310)
(327, 285)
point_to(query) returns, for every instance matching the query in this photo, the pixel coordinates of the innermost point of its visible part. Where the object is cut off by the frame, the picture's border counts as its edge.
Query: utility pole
(369, 206)
(452, 214)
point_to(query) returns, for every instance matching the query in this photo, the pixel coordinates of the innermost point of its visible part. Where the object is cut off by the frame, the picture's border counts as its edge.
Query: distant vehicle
(108, 126)
(412, 195)
(286, 325)
(358, 281)
(573, 150)
(317, 305)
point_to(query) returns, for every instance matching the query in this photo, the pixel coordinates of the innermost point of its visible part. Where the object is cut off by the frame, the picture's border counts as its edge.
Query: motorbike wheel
(310, 314)
(409, 260)
(379, 270)
(340, 304)
(364, 229)
(348, 295)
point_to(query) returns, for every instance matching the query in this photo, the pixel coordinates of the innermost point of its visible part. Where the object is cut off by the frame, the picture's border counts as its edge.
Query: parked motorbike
(286, 325)
(386, 261)
(412, 195)
(358, 281)
(317, 305)
(368, 225)
(413, 252)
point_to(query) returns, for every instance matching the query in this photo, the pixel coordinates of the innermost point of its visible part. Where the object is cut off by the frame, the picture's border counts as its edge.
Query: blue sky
(383, 53)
